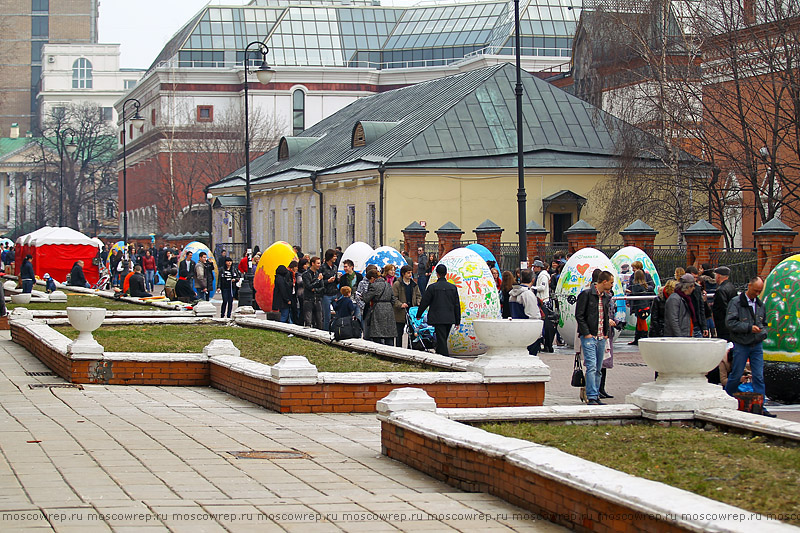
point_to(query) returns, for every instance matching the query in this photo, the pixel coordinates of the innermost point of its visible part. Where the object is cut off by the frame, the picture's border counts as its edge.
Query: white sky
(143, 27)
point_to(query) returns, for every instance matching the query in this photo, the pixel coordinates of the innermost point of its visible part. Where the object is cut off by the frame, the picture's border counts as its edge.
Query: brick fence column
(489, 235)
(449, 238)
(639, 235)
(771, 238)
(701, 237)
(535, 239)
(413, 238)
(581, 235)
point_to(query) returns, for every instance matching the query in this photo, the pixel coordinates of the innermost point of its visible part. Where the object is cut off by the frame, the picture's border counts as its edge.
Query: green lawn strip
(260, 345)
(85, 300)
(748, 472)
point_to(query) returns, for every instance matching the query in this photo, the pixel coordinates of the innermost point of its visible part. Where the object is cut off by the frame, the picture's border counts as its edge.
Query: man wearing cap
(542, 280)
(722, 297)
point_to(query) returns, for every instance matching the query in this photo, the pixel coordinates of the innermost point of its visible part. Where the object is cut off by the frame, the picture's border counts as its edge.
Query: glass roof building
(353, 33)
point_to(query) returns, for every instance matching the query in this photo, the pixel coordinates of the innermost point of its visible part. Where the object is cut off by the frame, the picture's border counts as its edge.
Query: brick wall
(474, 471)
(361, 397)
(317, 398)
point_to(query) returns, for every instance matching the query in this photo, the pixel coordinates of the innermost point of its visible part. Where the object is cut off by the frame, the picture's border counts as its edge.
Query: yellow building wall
(468, 199)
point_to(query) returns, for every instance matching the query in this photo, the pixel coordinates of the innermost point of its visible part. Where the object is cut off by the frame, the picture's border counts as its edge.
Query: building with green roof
(438, 151)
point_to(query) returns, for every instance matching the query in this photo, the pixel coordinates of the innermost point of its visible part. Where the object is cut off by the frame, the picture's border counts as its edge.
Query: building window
(332, 232)
(205, 113)
(153, 116)
(371, 225)
(110, 209)
(271, 225)
(36, 51)
(351, 225)
(38, 6)
(298, 226)
(130, 84)
(108, 114)
(298, 112)
(82, 74)
(40, 26)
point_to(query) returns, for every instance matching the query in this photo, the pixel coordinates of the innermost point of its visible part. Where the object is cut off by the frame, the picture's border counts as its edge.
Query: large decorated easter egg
(279, 253)
(484, 252)
(358, 253)
(385, 255)
(478, 294)
(196, 247)
(782, 346)
(575, 277)
(628, 255)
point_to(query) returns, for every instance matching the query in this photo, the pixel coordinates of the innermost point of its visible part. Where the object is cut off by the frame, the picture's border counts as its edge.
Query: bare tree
(639, 59)
(201, 153)
(751, 101)
(91, 162)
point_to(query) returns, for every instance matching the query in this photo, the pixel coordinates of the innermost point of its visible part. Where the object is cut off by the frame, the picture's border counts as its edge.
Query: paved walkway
(109, 458)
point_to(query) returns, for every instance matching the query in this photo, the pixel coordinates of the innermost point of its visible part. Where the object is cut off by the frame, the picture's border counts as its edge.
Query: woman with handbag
(380, 299)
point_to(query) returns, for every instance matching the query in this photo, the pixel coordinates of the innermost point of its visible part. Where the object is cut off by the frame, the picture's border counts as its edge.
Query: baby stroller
(421, 336)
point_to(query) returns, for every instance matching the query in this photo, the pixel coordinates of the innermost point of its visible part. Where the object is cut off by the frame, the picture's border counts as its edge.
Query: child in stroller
(421, 336)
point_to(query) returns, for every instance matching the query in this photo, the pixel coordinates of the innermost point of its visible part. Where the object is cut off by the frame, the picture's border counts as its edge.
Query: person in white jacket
(523, 298)
(542, 280)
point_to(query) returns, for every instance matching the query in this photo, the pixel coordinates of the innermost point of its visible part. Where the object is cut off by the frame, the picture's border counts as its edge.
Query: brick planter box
(268, 386)
(560, 487)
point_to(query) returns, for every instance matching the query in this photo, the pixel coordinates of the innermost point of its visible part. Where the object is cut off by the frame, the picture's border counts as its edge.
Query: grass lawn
(259, 345)
(748, 472)
(85, 300)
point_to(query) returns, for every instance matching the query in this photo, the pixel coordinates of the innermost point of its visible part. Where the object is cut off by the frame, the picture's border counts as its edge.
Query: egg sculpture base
(681, 387)
(507, 359)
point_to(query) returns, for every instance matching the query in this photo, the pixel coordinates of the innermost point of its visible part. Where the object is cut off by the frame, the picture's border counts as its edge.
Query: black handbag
(578, 378)
(347, 327)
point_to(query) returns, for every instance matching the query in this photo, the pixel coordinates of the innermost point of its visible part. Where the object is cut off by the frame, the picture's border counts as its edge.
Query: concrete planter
(22, 298)
(85, 320)
(507, 358)
(681, 387)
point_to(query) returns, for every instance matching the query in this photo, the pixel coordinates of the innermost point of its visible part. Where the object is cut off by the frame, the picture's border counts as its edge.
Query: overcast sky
(143, 27)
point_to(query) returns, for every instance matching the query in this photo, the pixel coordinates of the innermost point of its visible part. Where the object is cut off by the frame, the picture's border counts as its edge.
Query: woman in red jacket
(149, 266)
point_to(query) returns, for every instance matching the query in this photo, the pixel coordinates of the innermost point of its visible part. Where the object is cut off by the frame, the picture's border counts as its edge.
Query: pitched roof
(466, 120)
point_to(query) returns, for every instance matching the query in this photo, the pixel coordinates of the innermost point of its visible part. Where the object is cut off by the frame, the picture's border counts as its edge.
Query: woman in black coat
(657, 310)
(282, 293)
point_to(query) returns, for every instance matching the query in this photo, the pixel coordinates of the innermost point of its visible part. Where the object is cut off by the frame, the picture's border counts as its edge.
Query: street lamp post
(521, 195)
(137, 122)
(264, 75)
(210, 200)
(70, 148)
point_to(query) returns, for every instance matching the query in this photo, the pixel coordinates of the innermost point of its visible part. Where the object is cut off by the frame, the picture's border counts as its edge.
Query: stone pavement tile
(139, 529)
(81, 528)
(17, 519)
(424, 525)
(320, 527)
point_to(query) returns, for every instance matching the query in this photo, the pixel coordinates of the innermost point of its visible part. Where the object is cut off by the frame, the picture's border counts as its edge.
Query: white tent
(61, 236)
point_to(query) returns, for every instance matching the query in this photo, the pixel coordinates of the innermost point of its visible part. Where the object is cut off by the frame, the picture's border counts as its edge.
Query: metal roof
(465, 120)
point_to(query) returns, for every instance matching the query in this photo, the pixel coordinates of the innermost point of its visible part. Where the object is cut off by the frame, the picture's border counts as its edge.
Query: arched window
(82, 74)
(298, 112)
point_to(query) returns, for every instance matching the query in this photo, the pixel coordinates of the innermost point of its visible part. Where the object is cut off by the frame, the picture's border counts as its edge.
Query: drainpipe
(319, 192)
(381, 172)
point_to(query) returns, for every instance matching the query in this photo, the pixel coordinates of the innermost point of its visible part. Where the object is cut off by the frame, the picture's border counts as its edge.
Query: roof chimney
(14, 131)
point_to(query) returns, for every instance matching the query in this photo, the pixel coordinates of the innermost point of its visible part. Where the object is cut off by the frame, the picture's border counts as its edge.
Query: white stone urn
(10, 285)
(85, 320)
(21, 298)
(681, 387)
(507, 358)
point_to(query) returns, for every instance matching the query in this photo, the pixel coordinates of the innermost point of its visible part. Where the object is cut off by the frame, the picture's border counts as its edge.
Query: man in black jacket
(330, 276)
(593, 330)
(282, 293)
(76, 277)
(445, 308)
(136, 285)
(699, 301)
(747, 323)
(722, 297)
(313, 285)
